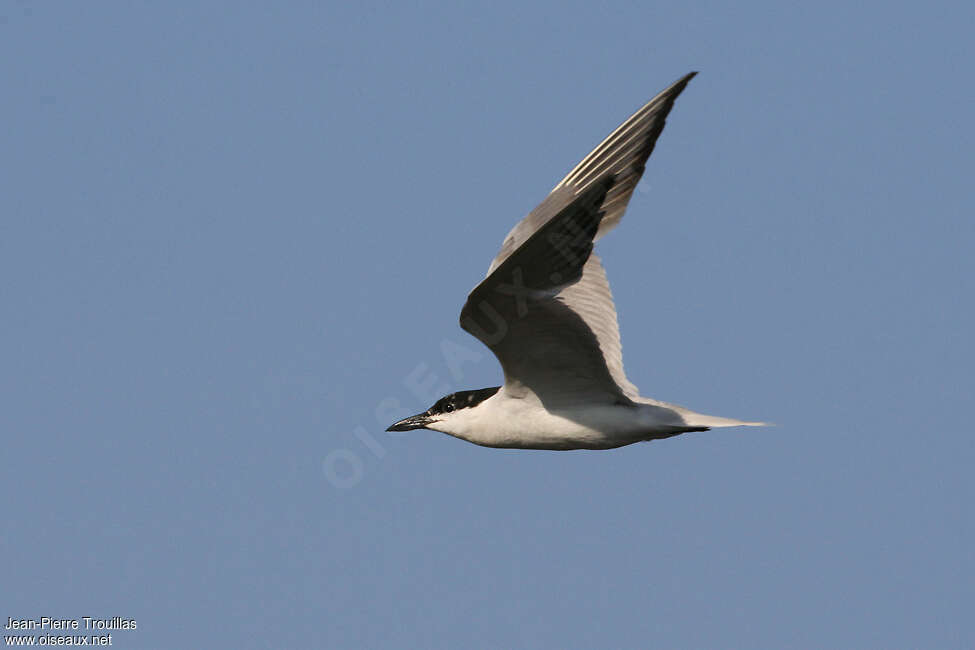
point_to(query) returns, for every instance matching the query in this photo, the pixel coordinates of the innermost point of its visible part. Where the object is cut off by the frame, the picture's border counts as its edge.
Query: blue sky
(236, 238)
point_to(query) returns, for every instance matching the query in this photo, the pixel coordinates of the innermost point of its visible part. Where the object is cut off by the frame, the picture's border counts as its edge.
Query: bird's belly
(590, 427)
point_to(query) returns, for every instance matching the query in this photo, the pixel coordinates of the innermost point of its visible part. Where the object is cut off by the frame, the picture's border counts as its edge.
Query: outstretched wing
(545, 308)
(530, 311)
(623, 154)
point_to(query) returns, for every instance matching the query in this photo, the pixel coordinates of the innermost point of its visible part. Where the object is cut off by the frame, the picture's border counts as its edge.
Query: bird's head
(448, 414)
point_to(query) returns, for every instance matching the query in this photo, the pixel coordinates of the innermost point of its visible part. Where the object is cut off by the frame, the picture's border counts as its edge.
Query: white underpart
(525, 423)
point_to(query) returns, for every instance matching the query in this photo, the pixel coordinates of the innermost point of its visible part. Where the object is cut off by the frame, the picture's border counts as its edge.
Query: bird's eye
(448, 408)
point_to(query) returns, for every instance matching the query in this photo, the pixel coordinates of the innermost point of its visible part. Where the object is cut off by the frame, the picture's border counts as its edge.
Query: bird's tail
(700, 420)
(689, 420)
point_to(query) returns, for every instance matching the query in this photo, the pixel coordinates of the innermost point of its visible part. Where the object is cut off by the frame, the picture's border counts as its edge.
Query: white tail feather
(712, 421)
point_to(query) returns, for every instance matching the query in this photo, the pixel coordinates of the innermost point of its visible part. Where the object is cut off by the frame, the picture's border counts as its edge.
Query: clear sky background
(235, 239)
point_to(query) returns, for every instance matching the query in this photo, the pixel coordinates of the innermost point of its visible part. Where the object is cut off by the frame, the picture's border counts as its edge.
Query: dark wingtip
(683, 81)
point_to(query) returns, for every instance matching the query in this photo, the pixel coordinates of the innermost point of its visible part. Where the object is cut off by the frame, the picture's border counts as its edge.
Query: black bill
(412, 422)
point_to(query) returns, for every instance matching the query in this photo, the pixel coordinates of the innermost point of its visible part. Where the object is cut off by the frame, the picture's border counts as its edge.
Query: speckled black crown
(462, 400)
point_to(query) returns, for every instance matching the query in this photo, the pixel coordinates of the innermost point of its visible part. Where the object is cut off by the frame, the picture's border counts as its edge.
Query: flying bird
(546, 312)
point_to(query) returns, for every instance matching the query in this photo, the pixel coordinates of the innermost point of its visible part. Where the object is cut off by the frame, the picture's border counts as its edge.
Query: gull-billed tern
(546, 312)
